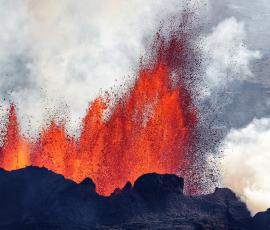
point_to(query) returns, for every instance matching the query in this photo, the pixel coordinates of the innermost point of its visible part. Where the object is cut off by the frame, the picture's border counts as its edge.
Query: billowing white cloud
(245, 164)
(59, 54)
(227, 55)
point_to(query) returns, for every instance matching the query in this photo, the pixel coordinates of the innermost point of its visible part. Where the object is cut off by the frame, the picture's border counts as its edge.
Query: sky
(56, 56)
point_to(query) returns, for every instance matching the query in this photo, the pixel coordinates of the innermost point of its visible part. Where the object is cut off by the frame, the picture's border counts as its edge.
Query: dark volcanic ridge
(36, 198)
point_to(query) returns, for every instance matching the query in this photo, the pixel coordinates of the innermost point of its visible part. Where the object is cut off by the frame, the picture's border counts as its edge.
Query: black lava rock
(36, 198)
(156, 186)
(261, 220)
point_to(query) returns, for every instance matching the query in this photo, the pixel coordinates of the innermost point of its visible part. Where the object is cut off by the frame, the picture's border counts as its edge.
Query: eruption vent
(148, 129)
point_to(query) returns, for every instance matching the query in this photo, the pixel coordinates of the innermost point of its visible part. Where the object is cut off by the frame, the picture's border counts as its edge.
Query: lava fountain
(147, 130)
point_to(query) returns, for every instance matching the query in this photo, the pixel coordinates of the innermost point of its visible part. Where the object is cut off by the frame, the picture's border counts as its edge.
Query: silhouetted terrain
(36, 198)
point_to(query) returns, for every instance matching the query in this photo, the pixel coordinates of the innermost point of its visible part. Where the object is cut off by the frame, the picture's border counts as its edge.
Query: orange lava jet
(148, 130)
(15, 151)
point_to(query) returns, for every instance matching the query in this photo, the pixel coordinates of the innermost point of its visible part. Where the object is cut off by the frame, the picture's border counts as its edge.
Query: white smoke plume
(59, 54)
(245, 165)
(228, 57)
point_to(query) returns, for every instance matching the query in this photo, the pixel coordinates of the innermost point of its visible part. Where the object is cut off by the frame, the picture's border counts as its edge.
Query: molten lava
(148, 130)
(15, 150)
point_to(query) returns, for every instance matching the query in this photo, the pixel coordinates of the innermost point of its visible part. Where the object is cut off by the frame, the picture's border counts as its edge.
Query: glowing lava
(15, 150)
(148, 130)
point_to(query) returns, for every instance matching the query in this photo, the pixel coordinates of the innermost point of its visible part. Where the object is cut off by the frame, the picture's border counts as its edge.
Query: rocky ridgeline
(36, 198)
